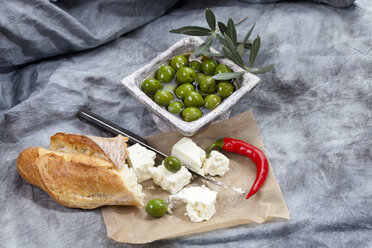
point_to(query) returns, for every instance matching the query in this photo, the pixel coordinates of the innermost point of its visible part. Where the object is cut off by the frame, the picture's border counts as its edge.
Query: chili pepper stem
(218, 143)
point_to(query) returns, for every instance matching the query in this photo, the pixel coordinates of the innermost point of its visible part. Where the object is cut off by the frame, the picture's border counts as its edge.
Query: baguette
(81, 171)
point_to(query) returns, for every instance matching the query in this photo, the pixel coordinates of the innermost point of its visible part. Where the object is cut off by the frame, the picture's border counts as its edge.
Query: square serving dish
(132, 84)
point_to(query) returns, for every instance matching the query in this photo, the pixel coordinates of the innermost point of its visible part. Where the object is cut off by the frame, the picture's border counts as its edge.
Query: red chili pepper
(245, 149)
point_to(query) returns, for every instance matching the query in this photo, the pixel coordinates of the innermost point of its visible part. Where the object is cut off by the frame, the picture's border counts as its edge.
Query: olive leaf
(231, 31)
(246, 45)
(241, 49)
(204, 47)
(228, 75)
(228, 54)
(236, 58)
(262, 70)
(254, 50)
(248, 34)
(192, 30)
(222, 40)
(222, 28)
(211, 19)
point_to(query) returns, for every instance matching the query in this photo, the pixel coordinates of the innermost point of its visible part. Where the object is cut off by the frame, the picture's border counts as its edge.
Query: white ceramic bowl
(132, 84)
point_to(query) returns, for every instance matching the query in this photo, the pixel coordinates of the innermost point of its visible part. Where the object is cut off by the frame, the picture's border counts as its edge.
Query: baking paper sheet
(133, 225)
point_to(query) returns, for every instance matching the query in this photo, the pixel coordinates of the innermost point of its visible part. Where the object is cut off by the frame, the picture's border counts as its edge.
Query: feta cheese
(169, 181)
(141, 160)
(239, 190)
(200, 202)
(216, 165)
(190, 154)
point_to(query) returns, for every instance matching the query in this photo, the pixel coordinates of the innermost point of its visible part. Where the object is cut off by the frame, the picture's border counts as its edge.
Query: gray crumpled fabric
(313, 110)
(335, 3)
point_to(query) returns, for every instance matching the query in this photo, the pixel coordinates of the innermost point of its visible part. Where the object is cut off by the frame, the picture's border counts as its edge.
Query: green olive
(179, 61)
(151, 86)
(183, 90)
(207, 85)
(165, 73)
(185, 75)
(163, 97)
(209, 66)
(156, 207)
(191, 114)
(199, 76)
(196, 65)
(224, 89)
(175, 107)
(212, 101)
(194, 99)
(172, 164)
(222, 68)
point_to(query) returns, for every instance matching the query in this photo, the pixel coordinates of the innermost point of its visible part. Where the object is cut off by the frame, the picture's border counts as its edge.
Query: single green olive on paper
(156, 208)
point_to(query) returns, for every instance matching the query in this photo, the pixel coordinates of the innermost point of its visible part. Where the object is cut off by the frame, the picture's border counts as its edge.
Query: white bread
(77, 172)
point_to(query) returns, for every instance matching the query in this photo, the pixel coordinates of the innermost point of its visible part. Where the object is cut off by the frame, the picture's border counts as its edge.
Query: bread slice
(109, 149)
(80, 174)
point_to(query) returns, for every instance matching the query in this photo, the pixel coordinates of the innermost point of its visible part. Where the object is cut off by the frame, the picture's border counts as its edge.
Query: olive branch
(231, 48)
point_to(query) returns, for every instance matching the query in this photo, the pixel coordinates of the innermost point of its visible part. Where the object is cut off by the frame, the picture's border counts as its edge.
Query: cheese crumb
(190, 154)
(141, 160)
(200, 202)
(216, 165)
(169, 181)
(239, 190)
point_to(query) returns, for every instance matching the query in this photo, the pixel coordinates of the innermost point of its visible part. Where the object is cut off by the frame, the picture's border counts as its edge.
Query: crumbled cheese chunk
(170, 181)
(216, 164)
(239, 190)
(141, 160)
(200, 202)
(190, 154)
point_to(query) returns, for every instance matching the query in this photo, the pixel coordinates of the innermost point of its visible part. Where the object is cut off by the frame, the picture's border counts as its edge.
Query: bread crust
(110, 149)
(78, 180)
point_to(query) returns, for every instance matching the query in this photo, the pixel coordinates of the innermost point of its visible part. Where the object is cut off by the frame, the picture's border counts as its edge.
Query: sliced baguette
(86, 179)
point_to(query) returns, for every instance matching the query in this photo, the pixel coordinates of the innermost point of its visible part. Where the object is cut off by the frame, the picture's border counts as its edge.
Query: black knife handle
(108, 127)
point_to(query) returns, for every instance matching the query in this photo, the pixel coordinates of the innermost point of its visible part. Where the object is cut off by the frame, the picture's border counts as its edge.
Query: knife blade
(110, 128)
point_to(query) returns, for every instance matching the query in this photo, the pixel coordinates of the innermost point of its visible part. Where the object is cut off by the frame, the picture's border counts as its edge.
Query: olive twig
(231, 48)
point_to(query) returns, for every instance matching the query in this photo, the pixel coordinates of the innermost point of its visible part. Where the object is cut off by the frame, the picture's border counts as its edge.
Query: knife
(110, 128)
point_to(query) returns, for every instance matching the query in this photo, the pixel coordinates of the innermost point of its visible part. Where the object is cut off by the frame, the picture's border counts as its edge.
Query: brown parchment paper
(133, 225)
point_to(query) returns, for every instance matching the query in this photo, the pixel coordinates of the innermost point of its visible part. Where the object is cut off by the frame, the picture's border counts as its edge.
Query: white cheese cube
(141, 160)
(200, 202)
(170, 181)
(190, 154)
(216, 165)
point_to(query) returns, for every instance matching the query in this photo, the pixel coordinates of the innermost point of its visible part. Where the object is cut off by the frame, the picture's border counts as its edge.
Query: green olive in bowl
(179, 61)
(151, 86)
(175, 107)
(207, 85)
(209, 67)
(165, 73)
(222, 68)
(196, 65)
(183, 90)
(191, 114)
(211, 101)
(224, 89)
(163, 97)
(194, 99)
(185, 75)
